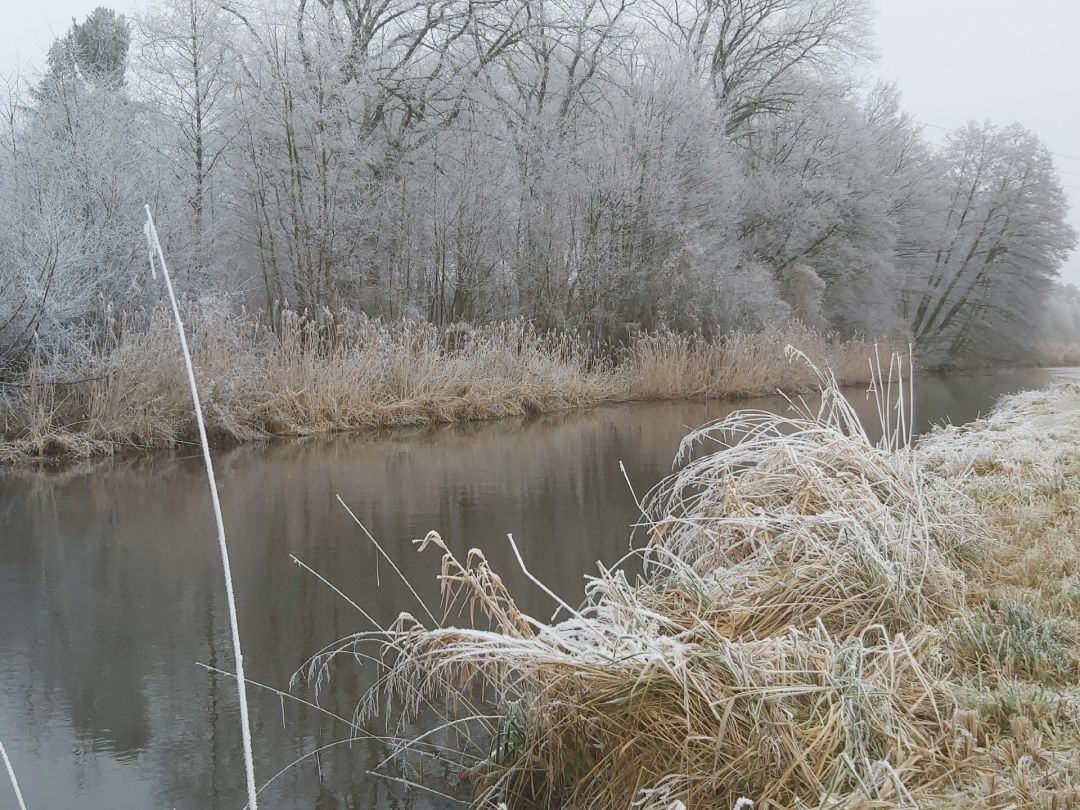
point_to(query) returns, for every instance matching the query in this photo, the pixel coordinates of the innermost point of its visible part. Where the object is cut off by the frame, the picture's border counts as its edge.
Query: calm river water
(111, 591)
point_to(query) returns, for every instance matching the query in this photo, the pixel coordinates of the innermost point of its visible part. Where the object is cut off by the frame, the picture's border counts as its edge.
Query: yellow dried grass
(345, 372)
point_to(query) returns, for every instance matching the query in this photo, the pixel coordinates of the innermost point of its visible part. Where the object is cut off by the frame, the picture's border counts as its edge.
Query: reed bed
(665, 365)
(346, 372)
(1057, 354)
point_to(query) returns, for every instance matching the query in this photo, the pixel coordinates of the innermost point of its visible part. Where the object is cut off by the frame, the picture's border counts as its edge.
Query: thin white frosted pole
(11, 774)
(911, 392)
(241, 684)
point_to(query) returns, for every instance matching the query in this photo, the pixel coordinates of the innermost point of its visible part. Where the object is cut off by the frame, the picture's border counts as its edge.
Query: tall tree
(1004, 236)
(184, 68)
(749, 50)
(93, 51)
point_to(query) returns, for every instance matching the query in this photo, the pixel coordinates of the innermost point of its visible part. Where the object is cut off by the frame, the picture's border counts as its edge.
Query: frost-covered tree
(827, 182)
(750, 50)
(1061, 319)
(701, 165)
(94, 51)
(75, 173)
(185, 72)
(1002, 238)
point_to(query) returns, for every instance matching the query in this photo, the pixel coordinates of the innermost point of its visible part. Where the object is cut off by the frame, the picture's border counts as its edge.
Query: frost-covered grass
(820, 622)
(348, 372)
(1019, 644)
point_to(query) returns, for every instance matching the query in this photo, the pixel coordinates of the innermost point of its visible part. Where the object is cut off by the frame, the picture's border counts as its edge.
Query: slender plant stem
(11, 774)
(241, 683)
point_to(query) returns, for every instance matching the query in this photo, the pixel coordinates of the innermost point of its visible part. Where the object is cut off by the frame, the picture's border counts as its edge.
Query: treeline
(610, 165)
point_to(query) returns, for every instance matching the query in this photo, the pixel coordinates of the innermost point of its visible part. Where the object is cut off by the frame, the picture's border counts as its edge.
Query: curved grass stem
(154, 245)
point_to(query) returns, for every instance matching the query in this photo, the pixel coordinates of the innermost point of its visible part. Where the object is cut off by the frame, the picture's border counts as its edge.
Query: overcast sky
(1005, 60)
(955, 60)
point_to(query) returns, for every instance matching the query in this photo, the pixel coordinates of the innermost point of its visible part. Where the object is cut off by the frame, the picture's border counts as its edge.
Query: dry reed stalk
(11, 776)
(154, 245)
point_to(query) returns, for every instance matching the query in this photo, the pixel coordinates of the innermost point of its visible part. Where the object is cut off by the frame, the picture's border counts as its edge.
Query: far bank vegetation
(347, 372)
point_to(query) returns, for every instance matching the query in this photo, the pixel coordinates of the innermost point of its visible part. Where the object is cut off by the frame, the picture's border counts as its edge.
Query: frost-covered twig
(11, 775)
(154, 245)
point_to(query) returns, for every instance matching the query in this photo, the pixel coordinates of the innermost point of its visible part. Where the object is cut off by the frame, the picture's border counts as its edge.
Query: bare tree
(748, 50)
(1003, 238)
(184, 68)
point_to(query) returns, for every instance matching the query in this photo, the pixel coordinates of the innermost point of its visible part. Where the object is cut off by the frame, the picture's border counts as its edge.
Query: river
(111, 590)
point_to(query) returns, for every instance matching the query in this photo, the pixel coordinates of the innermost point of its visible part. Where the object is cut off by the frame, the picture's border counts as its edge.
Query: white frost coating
(11, 774)
(245, 728)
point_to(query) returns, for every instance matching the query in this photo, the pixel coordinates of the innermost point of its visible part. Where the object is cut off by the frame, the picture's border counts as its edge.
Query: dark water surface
(111, 589)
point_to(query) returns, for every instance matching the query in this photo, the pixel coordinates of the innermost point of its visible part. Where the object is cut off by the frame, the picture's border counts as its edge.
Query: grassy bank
(822, 622)
(350, 373)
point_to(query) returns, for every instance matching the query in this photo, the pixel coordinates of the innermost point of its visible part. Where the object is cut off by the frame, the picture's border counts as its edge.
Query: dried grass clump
(799, 520)
(619, 707)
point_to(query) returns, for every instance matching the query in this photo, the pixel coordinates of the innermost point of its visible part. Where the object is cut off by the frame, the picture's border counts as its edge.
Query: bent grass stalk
(11, 775)
(154, 245)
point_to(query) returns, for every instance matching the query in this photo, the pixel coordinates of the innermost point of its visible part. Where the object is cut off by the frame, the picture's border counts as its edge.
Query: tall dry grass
(780, 646)
(1051, 354)
(819, 621)
(347, 372)
(665, 365)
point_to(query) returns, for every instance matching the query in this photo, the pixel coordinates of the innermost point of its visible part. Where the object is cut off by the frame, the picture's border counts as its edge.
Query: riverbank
(823, 622)
(351, 373)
